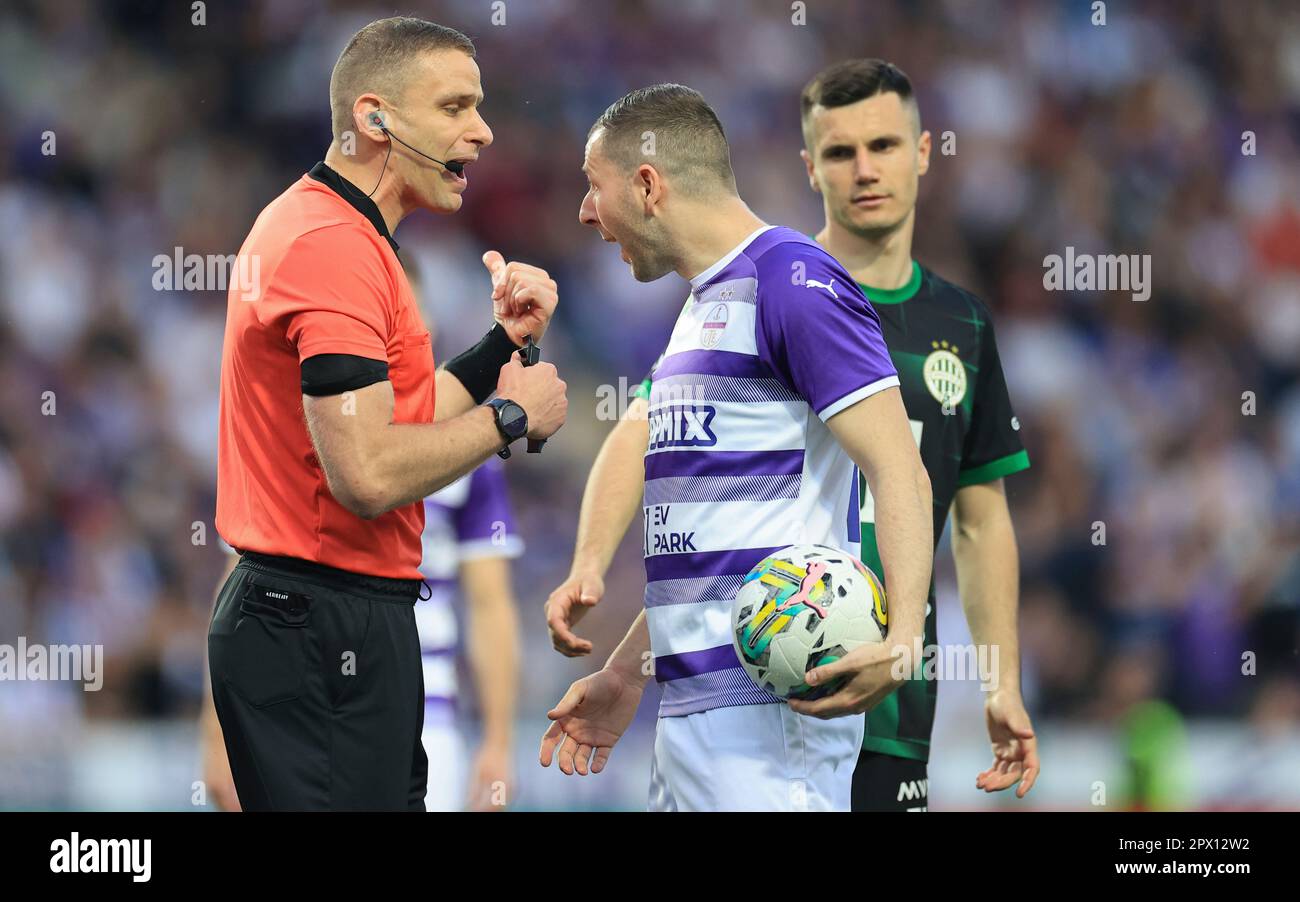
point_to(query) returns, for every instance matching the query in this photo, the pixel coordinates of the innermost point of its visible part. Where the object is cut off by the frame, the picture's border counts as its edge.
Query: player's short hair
(378, 59)
(852, 80)
(672, 127)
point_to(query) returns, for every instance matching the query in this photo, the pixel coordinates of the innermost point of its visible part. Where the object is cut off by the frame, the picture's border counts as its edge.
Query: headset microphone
(455, 167)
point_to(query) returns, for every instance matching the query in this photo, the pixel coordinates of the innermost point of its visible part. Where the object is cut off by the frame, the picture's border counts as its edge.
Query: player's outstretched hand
(523, 297)
(565, 607)
(588, 721)
(869, 676)
(1015, 747)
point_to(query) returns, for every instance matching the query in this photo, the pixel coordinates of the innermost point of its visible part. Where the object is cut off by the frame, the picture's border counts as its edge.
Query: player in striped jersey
(468, 542)
(469, 538)
(866, 153)
(775, 383)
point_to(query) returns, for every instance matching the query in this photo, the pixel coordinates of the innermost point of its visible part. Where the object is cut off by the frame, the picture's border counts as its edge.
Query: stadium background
(1122, 138)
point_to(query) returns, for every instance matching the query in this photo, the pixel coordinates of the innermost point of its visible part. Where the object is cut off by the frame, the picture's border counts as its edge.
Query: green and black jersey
(940, 338)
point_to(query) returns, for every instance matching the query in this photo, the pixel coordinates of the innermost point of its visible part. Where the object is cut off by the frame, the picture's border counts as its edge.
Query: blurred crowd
(1159, 525)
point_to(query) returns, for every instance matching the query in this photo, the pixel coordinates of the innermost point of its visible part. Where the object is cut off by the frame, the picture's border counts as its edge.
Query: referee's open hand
(523, 297)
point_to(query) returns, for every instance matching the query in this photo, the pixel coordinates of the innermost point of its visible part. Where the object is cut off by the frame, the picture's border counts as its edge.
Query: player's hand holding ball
(869, 676)
(809, 625)
(524, 297)
(540, 391)
(565, 607)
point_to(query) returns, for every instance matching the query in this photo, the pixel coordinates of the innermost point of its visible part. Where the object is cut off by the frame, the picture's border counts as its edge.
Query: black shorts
(319, 687)
(889, 783)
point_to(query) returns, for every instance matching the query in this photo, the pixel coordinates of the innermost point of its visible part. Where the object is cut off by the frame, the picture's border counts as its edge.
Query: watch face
(512, 418)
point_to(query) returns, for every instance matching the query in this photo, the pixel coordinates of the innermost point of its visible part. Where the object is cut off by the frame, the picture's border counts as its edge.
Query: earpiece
(376, 118)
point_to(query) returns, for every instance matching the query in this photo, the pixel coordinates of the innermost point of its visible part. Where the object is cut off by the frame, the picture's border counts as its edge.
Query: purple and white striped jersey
(774, 340)
(471, 518)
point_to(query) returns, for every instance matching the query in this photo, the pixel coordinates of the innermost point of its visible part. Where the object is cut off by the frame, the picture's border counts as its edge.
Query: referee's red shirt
(328, 282)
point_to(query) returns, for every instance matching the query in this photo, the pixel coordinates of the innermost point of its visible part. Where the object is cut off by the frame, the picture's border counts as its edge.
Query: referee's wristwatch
(512, 422)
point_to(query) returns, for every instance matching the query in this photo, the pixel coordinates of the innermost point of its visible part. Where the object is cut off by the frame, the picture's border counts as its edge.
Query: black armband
(333, 374)
(479, 367)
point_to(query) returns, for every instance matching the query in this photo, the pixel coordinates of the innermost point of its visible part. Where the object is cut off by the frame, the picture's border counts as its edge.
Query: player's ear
(808, 165)
(923, 153)
(649, 185)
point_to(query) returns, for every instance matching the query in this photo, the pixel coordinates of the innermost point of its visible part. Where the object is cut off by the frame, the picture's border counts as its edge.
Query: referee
(329, 434)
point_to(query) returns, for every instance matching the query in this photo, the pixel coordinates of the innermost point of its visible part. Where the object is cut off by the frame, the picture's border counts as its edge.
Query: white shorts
(447, 768)
(754, 758)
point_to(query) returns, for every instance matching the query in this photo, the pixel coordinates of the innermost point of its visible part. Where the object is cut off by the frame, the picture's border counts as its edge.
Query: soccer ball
(804, 606)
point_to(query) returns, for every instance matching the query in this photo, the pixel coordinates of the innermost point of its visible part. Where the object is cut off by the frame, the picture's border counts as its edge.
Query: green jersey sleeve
(993, 447)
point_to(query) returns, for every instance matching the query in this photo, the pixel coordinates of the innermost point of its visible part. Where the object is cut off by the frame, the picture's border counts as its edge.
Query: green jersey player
(864, 153)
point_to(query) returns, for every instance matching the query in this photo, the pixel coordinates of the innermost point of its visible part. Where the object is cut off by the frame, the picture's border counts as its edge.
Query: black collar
(355, 196)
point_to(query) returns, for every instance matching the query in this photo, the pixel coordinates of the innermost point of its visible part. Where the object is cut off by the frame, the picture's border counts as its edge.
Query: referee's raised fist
(539, 390)
(523, 297)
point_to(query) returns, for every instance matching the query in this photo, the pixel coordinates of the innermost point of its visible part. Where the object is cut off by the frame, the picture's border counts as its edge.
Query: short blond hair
(378, 59)
(689, 140)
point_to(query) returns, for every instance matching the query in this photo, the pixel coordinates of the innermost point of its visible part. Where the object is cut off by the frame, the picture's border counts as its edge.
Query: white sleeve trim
(854, 397)
(702, 279)
(477, 549)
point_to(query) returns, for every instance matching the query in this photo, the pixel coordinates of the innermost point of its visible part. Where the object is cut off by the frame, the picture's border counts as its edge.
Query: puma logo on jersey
(829, 286)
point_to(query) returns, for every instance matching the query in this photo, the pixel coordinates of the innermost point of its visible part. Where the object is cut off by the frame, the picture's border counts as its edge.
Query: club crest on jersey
(945, 374)
(682, 426)
(714, 325)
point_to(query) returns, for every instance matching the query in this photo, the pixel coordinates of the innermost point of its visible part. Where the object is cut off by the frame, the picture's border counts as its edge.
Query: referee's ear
(369, 118)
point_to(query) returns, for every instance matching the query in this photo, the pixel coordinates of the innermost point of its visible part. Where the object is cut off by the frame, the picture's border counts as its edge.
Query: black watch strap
(498, 405)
